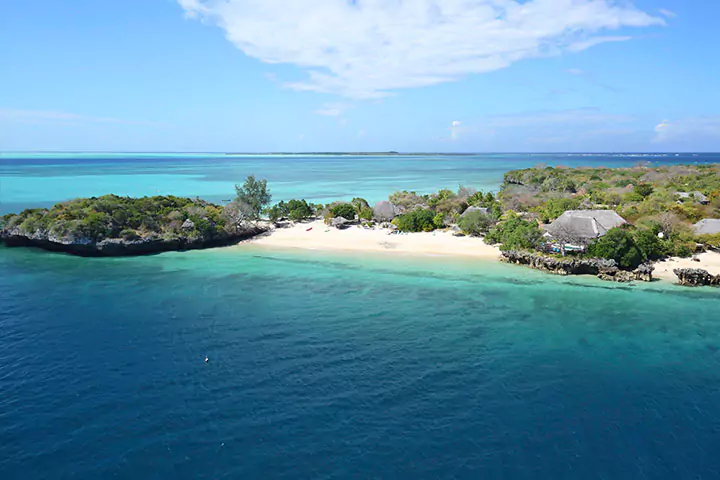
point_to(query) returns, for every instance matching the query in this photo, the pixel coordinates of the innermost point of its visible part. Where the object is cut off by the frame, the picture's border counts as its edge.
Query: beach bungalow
(574, 229)
(708, 226)
(475, 209)
(697, 196)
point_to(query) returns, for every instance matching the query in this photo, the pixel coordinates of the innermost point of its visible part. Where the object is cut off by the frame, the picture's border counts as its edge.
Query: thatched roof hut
(339, 222)
(697, 196)
(708, 226)
(475, 209)
(584, 225)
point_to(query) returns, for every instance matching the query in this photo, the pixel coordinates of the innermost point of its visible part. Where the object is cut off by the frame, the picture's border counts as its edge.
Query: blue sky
(360, 75)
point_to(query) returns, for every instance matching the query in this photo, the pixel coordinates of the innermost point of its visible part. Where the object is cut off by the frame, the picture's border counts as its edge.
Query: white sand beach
(709, 261)
(317, 236)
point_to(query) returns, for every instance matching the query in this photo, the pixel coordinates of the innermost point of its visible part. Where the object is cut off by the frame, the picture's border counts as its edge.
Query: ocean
(339, 365)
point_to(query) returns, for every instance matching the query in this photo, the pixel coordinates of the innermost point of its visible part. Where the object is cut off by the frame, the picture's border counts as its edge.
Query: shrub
(344, 210)
(406, 200)
(359, 203)
(366, 213)
(515, 234)
(475, 222)
(555, 207)
(129, 234)
(644, 189)
(299, 210)
(651, 247)
(277, 211)
(416, 221)
(617, 244)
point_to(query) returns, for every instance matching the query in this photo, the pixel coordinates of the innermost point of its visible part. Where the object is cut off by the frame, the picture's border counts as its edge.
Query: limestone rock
(602, 268)
(696, 277)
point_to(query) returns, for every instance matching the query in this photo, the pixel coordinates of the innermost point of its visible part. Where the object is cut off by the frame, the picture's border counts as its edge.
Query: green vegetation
(475, 222)
(343, 210)
(619, 245)
(111, 216)
(255, 195)
(166, 218)
(416, 221)
(646, 197)
(295, 210)
(514, 233)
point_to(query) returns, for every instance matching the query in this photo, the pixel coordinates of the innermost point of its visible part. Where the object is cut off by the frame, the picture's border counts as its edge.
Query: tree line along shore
(626, 217)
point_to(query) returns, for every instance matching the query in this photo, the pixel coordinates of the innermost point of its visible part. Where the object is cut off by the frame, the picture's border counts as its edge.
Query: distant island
(358, 154)
(614, 223)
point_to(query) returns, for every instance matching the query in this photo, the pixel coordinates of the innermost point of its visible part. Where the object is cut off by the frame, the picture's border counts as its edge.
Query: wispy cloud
(332, 109)
(591, 42)
(579, 116)
(590, 78)
(546, 126)
(694, 127)
(368, 48)
(667, 13)
(49, 116)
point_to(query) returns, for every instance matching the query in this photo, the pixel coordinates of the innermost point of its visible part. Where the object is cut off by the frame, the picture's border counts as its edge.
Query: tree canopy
(255, 194)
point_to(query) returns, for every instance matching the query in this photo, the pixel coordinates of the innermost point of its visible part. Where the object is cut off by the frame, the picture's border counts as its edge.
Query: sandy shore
(709, 261)
(317, 236)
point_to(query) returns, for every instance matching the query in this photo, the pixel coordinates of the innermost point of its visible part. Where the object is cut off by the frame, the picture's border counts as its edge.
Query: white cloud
(667, 13)
(50, 116)
(580, 116)
(548, 125)
(591, 42)
(332, 109)
(695, 127)
(368, 48)
(575, 71)
(455, 129)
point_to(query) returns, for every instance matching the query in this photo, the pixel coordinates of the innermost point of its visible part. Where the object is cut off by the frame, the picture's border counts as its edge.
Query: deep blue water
(339, 366)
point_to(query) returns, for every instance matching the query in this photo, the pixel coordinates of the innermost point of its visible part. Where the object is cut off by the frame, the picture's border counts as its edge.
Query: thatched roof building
(584, 225)
(708, 226)
(697, 196)
(475, 209)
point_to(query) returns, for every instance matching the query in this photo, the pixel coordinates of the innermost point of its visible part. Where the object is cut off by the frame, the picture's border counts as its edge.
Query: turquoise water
(336, 365)
(32, 180)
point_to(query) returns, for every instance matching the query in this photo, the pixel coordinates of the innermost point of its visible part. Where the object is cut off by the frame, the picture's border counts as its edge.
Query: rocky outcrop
(602, 268)
(696, 277)
(117, 247)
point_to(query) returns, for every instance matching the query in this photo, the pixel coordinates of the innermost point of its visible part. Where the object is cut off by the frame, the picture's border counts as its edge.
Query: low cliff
(602, 268)
(696, 277)
(118, 247)
(116, 226)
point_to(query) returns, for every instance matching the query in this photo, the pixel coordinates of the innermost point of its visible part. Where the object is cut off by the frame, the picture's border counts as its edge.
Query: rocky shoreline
(603, 269)
(117, 247)
(696, 277)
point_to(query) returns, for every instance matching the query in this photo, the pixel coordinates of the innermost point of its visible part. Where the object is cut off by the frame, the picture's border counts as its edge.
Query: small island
(119, 226)
(619, 224)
